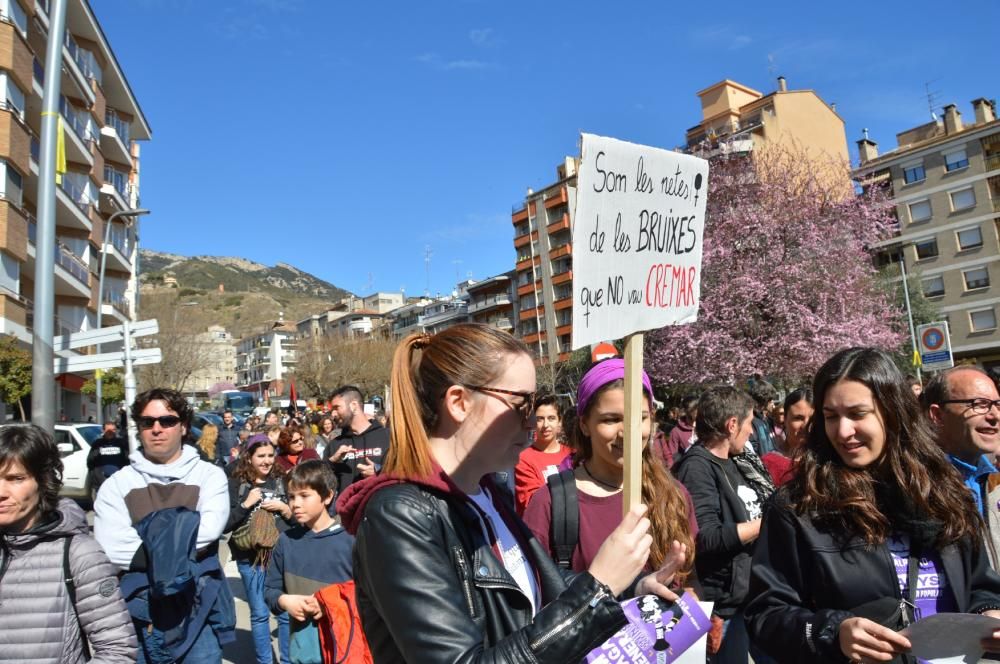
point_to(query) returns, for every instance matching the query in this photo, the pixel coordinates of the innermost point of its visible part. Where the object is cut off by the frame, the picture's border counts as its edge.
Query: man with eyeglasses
(964, 407)
(139, 525)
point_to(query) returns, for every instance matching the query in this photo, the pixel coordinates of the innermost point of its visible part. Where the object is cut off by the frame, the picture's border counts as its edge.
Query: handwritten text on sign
(637, 239)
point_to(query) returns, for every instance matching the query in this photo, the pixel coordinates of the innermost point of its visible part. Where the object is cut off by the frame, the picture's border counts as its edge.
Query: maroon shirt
(598, 517)
(285, 463)
(780, 467)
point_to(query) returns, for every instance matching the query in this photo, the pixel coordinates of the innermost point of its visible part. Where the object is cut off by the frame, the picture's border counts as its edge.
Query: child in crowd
(308, 557)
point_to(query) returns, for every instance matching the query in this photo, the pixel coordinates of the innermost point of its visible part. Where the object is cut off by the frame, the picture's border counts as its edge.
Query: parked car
(201, 418)
(74, 440)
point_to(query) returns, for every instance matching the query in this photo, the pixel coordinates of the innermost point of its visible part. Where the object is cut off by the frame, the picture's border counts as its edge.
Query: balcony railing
(993, 162)
(70, 115)
(119, 239)
(491, 301)
(117, 179)
(83, 58)
(36, 150)
(73, 264)
(75, 193)
(116, 300)
(121, 127)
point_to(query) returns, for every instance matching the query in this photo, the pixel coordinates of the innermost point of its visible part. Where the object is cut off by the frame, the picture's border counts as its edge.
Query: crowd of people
(485, 522)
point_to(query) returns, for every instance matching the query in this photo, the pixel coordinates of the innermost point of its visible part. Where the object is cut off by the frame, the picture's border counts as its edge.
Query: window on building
(13, 184)
(976, 278)
(970, 238)
(963, 199)
(933, 287)
(13, 96)
(10, 273)
(914, 173)
(12, 11)
(955, 160)
(926, 249)
(982, 320)
(920, 211)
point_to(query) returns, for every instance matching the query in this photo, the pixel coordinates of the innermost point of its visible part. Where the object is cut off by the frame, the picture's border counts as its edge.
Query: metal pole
(99, 380)
(43, 388)
(133, 440)
(909, 312)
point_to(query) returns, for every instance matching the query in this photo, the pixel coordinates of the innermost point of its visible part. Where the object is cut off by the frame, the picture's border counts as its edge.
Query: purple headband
(600, 375)
(257, 439)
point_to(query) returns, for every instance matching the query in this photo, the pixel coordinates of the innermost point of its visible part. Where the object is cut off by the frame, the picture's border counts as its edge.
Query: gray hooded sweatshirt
(37, 621)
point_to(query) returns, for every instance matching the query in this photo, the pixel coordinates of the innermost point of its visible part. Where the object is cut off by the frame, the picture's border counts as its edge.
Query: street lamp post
(100, 299)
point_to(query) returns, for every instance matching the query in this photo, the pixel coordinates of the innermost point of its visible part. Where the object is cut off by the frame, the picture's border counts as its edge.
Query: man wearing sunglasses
(139, 527)
(964, 407)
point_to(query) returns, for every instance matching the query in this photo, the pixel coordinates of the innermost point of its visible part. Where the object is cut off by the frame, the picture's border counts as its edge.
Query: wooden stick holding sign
(634, 397)
(638, 232)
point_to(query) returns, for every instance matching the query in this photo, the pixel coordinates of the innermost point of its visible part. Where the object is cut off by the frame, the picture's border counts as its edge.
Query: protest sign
(657, 631)
(638, 232)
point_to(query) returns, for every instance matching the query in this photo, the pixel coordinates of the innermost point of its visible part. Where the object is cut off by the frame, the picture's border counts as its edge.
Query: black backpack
(564, 532)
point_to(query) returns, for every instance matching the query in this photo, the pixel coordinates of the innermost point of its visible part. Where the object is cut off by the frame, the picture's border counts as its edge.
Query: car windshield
(211, 418)
(240, 401)
(90, 432)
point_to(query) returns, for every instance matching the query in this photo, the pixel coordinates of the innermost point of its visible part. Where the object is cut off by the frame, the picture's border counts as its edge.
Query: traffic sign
(105, 335)
(106, 360)
(934, 343)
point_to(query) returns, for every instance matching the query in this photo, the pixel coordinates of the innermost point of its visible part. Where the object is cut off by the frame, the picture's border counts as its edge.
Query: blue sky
(345, 137)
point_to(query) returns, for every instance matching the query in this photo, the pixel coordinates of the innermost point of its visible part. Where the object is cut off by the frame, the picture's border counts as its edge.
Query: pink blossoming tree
(786, 277)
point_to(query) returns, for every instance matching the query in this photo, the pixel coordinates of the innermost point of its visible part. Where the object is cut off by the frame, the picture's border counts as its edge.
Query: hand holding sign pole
(637, 243)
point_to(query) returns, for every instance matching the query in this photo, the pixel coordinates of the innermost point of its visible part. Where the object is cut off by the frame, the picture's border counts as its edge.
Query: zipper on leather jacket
(602, 593)
(463, 568)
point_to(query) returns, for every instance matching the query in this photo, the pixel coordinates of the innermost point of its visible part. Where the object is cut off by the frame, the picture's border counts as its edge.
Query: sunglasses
(166, 421)
(526, 409)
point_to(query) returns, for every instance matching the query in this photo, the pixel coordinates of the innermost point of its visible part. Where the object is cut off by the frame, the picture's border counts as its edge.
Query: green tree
(15, 372)
(112, 388)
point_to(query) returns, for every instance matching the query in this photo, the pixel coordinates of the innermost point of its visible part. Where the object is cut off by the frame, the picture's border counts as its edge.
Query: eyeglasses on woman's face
(525, 408)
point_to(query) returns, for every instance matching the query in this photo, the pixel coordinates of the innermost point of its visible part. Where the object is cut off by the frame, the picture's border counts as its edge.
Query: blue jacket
(177, 594)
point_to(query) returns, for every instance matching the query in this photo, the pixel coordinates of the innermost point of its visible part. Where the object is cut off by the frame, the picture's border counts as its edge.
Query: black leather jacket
(804, 583)
(430, 589)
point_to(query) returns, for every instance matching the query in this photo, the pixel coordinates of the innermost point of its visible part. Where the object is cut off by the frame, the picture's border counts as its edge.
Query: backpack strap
(565, 528)
(71, 593)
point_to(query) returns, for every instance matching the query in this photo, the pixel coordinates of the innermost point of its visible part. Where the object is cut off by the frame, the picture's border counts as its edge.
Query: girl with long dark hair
(257, 484)
(874, 528)
(598, 476)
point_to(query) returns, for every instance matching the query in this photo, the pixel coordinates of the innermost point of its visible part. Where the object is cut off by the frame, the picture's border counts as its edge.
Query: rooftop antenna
(864, 132)
(370, 284)
(456, 263)
(427, 268)
(932, 98)
(770, 65)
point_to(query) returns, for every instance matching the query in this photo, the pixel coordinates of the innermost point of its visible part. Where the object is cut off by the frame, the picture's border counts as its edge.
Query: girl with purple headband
(596, 480)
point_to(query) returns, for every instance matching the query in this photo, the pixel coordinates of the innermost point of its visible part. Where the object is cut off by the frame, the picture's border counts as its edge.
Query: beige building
(217, 352)
(492, 301)
(265, 359)
(944, 178)
(102, 121)
(737, 119)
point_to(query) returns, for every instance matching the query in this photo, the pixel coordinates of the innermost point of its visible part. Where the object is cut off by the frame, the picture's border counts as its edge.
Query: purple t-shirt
(932, 594)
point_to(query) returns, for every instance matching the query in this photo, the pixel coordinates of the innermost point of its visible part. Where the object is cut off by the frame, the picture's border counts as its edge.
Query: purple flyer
(657, 632)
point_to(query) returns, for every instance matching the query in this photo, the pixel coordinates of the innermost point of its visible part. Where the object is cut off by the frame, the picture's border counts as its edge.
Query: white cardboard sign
(638, 233)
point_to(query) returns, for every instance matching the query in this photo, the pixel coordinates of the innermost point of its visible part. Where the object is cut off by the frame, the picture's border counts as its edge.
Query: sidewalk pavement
(242, 652)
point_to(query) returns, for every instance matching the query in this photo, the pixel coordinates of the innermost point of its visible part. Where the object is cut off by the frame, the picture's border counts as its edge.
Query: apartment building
(263, 360)
(353, 317)
(544, 275)
(944, 179)
(102, 121)
(736, 120)
(492, 301)
(217, 351)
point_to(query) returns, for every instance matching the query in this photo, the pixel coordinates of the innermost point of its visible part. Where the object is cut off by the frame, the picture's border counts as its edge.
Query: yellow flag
(916, 359)
(60, 150)
(98, 373)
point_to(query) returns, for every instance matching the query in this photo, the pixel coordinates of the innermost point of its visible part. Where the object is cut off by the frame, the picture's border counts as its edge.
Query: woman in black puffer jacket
(47, 615)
